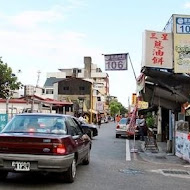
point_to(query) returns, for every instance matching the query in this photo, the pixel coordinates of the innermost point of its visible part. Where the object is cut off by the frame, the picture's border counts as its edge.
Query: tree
(8, 80)
(117, 108)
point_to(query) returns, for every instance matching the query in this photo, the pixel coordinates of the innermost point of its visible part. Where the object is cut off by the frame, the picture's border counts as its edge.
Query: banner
(181, 43)
(157, 50)
(140, 82)
(132, 124)
(115, 62)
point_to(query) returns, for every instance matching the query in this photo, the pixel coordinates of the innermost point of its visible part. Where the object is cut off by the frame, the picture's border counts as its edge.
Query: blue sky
(49, 34)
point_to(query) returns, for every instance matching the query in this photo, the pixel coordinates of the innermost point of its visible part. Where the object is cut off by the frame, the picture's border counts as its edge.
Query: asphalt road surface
(112, 167)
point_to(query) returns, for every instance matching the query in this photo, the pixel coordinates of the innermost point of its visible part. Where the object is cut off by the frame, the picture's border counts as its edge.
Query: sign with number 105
(183, 25)
(116, 62)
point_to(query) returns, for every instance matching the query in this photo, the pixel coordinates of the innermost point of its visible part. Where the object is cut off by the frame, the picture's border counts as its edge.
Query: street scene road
(110, 168)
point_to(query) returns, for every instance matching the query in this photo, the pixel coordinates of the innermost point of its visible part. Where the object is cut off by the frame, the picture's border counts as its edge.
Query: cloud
(30, 47)
(187, 5)
(32, 18)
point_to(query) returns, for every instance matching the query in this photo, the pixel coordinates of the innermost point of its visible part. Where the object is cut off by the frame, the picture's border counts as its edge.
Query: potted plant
(150, 120)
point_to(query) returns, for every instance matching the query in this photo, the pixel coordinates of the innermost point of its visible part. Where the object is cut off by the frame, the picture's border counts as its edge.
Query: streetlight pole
(91, 102)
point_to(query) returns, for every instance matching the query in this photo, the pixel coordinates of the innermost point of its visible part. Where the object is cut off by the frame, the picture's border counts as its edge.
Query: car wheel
(117, 136)
(86, 161)
(70, 174)
(3, 174)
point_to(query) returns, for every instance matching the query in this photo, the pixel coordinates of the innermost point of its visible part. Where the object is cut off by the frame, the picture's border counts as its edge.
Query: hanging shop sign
(142, 105)
(181, 31)
(116, 62)
(157, 50)
(99, 106)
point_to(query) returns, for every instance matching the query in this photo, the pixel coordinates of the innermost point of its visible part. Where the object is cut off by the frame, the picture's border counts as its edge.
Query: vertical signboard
(134, 99)
(157, 50)
(181, 43)
(3, 120)
(115, 62)
(99, 106)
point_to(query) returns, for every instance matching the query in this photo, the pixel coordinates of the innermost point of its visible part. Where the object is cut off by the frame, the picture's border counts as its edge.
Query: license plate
(21, 166)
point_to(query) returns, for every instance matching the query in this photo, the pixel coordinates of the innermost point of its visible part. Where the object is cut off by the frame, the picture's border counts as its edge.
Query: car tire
(117, 136)
(3, 175)
(86, 161)
(70, 174)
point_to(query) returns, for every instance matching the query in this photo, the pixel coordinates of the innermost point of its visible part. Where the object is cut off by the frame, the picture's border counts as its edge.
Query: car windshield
(36, 124)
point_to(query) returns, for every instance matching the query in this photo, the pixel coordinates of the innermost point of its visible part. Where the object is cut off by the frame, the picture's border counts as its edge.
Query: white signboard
(182, 25)
(157, 50)
(181, 43)
(99, 106)
(115, 62)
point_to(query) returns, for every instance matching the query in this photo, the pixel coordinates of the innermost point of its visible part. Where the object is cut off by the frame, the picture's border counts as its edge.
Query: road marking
(128, 153)
(187, 166)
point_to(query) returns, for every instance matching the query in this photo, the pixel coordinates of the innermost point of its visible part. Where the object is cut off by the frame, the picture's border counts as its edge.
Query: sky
(45, 35)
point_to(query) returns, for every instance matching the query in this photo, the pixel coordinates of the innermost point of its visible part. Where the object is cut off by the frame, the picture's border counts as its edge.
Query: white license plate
(21, 166)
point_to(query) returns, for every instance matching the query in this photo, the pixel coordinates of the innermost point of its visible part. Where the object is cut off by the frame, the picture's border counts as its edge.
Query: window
(81, 88)
(49, 91)
(98, 98)
(79, 71)
(73, 128)
(65, 88)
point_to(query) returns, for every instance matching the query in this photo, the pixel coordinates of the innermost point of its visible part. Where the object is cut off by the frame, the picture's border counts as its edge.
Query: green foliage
(8, 81)
(150, 120)
(117, 108)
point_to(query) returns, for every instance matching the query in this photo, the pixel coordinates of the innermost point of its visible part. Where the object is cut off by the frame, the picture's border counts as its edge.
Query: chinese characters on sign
(115, 62)
(182, 25)
(181, 44)
(99, 106)
(157, 51)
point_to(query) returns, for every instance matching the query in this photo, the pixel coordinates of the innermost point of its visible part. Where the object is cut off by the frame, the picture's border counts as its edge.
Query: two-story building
(55, 88)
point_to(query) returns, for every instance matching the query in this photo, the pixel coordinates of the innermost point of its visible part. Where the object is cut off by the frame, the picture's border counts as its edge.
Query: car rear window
(37, 124)
(123, 121)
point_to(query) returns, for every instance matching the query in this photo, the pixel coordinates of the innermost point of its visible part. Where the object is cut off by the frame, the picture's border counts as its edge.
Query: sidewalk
(160, 156)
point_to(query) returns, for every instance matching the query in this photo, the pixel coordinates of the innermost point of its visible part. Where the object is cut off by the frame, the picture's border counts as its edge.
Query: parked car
(122, 128)
(90, 129)
(43, 143)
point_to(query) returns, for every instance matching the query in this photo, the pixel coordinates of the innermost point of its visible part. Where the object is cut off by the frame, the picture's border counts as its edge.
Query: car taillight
(59, 149)
(118, 127)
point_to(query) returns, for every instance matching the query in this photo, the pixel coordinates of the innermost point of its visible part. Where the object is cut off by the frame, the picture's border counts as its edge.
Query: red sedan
(44, 143)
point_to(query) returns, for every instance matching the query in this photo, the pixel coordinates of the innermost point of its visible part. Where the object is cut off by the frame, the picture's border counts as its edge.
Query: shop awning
(166, 89)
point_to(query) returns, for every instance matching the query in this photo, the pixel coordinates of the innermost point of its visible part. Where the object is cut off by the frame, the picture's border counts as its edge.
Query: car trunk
(28, 143)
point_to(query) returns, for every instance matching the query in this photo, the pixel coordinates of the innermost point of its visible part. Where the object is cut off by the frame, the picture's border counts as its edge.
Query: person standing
(99, 120)
(141, 123)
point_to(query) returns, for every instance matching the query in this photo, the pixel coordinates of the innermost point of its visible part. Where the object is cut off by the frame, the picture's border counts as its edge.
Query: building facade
(53, 87)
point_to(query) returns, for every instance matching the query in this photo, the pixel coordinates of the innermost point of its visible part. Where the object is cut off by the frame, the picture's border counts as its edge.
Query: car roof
(43, 114)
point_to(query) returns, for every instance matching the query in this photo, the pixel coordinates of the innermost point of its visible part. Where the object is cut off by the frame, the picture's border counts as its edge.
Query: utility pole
(38, 78)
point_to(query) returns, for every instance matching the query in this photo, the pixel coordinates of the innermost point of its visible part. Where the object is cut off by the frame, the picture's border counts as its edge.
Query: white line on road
(128, 153)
